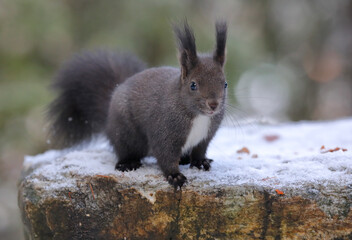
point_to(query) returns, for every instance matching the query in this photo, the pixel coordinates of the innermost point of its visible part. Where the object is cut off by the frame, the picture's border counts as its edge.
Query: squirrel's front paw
(176, 179)
(202, 163)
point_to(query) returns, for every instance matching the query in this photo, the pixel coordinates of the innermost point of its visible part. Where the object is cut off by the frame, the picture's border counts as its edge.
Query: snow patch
(292, 159)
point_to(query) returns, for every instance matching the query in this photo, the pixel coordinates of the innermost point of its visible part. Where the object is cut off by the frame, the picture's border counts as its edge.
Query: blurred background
(287, 61)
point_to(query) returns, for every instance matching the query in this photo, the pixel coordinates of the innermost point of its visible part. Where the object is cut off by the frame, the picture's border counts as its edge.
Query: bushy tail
(85, 85)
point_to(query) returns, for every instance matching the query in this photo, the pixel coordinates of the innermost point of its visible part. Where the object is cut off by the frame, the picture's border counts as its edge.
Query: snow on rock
(285, 155)
(286, 181)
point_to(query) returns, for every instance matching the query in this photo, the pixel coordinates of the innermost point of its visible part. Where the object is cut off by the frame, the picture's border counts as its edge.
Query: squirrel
(169, 113)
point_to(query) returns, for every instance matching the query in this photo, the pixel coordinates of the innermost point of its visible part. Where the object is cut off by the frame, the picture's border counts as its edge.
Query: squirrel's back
(85, 85)
(152, 93)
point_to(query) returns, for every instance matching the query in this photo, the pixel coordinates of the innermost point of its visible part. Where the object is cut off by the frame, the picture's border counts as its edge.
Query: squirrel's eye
(193, 86)
(225, 84)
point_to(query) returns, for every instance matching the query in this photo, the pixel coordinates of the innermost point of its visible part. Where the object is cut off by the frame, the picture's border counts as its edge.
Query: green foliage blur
(288, 60)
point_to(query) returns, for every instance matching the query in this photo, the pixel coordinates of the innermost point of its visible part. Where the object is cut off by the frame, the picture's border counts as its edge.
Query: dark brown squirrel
(165, 112)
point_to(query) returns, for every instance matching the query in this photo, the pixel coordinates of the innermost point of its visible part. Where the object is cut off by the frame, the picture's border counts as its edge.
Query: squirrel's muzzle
(213, 104)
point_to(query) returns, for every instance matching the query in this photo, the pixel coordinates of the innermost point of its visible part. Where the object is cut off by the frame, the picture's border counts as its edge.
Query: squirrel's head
(203, 82)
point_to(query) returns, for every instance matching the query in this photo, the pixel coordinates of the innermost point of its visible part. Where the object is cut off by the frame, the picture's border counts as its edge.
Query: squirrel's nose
(213, 105)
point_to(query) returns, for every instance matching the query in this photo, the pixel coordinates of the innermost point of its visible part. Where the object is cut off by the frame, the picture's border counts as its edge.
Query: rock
(77, 194)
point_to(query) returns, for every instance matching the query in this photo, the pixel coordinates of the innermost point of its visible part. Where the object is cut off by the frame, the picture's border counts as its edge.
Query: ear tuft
(221, 34)
(186, 47)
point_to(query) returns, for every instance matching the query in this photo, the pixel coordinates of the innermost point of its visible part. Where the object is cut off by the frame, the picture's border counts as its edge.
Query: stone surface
(76, 194)
(108, 207)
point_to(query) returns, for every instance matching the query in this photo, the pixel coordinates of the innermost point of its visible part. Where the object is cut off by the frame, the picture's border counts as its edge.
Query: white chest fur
(199, 131)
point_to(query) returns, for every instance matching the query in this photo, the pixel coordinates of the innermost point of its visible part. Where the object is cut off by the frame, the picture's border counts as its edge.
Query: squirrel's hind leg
(128, 158)
(129, 155)
(128, 165)
(129, 147)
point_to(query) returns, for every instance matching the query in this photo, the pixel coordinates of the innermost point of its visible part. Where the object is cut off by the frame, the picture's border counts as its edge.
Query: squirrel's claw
(126, 167)
(202, 164)
(177, 179)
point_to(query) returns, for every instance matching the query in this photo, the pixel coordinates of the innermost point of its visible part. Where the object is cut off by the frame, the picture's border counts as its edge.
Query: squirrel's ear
(221, 34)
(186, 48)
